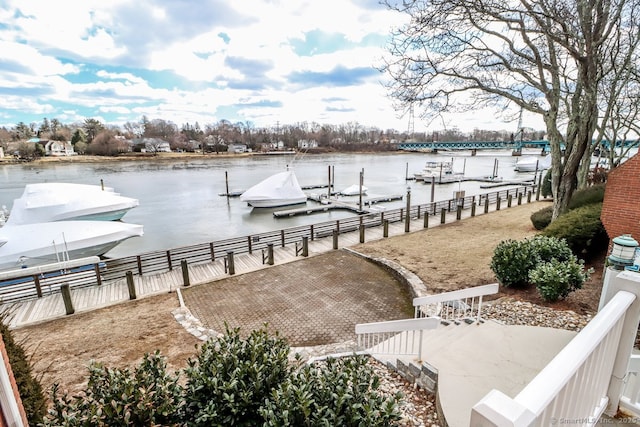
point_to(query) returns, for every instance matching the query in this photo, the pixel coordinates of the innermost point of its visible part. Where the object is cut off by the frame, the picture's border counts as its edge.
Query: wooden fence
(161, 261)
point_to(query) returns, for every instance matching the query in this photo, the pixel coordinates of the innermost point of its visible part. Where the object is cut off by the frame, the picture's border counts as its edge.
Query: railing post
(131, 285)
(139, 261)
(335, 239)
(509, 198)
(361, 233)
(459, 212)
(185, 273)
(311, 231)
(385, 228)
(66, 297)
(443, 216)
(282, 237)
(498, 200)
(36, 280)
(249, 245)
(519, 199)
(96, 269)
(305, 246)
(270, 260)
(213, 253)
(473, 209)
(630, 282)
(169, 260)
(230, 263)
(425, 221)
(528, 196)
(486, 205)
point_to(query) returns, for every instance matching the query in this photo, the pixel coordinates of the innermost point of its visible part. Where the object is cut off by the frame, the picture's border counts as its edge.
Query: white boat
(532, 163)
(29, 245)
(434, 169)
(281, 189)
(354, 190)
(57, 201)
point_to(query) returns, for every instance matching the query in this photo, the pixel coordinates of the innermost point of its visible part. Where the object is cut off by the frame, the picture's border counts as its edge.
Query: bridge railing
(161, 261)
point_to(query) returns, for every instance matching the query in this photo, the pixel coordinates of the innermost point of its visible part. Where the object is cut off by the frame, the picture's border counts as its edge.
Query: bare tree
(547, 57)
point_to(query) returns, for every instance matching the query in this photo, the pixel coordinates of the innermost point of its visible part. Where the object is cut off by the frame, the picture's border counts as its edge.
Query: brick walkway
(313, 301)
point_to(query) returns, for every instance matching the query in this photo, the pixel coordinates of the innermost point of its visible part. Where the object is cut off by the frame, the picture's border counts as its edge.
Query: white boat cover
(528, 163)
(353, 190)
(280, 187)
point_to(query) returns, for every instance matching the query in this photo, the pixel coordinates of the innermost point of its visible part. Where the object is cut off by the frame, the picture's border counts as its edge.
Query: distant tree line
(94, 137)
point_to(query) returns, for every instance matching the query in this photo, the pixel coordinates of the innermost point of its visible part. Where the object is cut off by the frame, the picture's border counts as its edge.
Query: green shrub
(555, 279)
(31, 394)
(118, 397)
(339, 392)
(582, 229)
(587, 196)
(233, 377)
(513, 259)
(540, 219)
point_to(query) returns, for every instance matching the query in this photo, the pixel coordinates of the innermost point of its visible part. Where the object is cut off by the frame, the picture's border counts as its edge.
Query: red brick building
(621, 207)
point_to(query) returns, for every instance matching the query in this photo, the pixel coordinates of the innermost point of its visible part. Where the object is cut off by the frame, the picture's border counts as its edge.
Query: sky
(267, 63)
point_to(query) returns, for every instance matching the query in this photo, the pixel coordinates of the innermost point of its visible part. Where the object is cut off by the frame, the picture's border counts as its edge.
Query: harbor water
(181, 202)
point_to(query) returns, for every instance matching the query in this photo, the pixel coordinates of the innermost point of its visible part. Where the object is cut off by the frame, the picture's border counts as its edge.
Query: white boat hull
(275, 203)
(30, 245)
(532, 164)
(281, 189)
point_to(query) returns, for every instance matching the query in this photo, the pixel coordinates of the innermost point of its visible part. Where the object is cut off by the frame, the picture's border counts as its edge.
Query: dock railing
(584, 380)
(162, 261)
(454, 306)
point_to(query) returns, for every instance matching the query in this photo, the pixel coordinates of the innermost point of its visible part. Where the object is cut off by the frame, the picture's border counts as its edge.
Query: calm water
(180, 202)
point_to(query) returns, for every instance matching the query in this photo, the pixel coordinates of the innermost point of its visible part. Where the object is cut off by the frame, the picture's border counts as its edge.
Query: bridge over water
(473, 145)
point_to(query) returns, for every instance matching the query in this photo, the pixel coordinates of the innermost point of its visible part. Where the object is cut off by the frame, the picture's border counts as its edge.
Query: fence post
(185, 273)
(305, 246)
(425, 223)
(169, 260)
(459, 212)
(282, 237)
(66, 297)
(230, 264)
(335, 238)
(361, 233)
(36, 280)
(509, 198)
(96, 268)
(498, 200)
(139, 265)
(473, 209)
(519, 199)
(486, 204)
(270, 253)
(443, 215)
(249, 245)
(385, 228)
(213, 252)
(131, 285)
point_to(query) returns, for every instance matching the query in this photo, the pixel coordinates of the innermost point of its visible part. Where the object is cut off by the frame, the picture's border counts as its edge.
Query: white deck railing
(398, 337)
(574, 387)
(456, 305)
(630, 399)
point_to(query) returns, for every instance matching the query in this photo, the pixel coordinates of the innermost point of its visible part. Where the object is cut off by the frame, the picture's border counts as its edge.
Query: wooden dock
(237, 193)
(329, 204)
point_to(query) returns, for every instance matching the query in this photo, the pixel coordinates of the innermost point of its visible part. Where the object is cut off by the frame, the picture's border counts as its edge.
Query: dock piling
(185, 273)
(66, 297)
(131, 285)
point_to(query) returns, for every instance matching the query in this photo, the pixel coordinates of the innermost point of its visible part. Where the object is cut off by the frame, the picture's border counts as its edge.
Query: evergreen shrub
(540, 219)
(587, 196)
(582, 229)
(555, 279)
(545, 190)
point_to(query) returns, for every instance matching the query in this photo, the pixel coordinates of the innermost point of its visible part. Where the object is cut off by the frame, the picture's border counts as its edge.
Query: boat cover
(281, 186)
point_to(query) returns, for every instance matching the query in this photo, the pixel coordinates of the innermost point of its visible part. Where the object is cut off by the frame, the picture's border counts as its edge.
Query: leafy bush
(233, 377)
(119, 397)
(555, 279)
(587, 196)
(29, 387)
(513, 259)
(582, 229)
(540, 219)
(340, 392)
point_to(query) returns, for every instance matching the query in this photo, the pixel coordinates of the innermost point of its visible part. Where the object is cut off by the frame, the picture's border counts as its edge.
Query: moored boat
(532, 163)
(57, 201)
(281, 189)
(29, 245)
(354, 190)
(434, 169)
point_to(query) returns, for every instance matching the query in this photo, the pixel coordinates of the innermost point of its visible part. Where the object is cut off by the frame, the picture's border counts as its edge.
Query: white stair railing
(630, 399)
(574, 387)
(456, 305)
(398, 337)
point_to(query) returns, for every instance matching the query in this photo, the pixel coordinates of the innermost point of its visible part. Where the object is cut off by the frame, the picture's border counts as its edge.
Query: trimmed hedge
(582, 229)
(587, 196)
(540, 219)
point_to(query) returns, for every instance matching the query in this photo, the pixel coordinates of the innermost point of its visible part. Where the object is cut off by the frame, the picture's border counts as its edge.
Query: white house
(58, 148)
(305, 143)
(237, 148)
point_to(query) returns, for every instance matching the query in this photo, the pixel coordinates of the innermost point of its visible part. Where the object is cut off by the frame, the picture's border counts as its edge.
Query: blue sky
(266, 62)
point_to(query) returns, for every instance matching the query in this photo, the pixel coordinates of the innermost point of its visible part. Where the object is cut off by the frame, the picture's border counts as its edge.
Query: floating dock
(327, 204)
(237, 193)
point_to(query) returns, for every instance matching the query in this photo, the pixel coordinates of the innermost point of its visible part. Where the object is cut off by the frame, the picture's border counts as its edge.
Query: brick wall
(621, 207)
